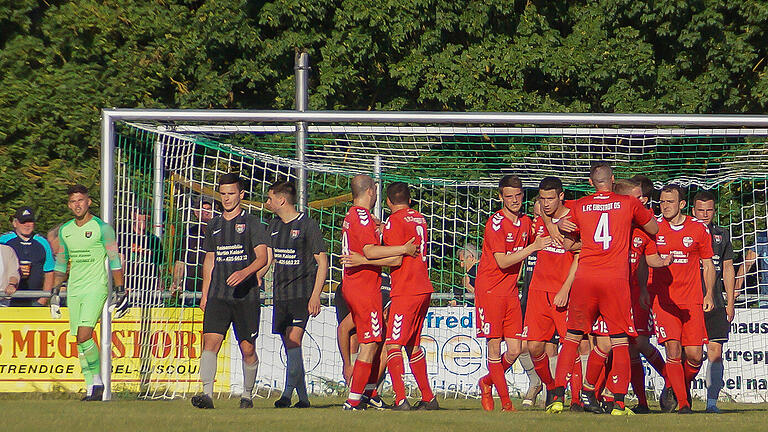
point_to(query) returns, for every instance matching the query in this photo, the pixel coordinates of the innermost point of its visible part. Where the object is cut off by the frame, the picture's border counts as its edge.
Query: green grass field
(33, 413)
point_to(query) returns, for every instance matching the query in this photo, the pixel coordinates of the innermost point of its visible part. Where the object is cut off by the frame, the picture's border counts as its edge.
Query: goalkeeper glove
(118, 303)
(55, 302)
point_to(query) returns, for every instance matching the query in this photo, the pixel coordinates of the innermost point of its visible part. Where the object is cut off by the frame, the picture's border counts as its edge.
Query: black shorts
(717, 324)
(342, 310)
(243, 313)
(289, 313)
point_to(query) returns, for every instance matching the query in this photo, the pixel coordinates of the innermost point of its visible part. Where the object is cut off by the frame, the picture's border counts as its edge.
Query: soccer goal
(159, 173)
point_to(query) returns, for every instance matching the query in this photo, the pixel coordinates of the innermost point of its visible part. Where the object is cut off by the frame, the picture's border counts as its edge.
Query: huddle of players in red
(595, 258)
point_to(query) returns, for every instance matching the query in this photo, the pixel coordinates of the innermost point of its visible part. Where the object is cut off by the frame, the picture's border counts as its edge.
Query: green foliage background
(62, 61)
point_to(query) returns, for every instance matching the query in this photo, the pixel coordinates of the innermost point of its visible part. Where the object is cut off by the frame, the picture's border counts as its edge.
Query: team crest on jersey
(88, 234)
(687, 241)
(240, 228)
(637, 241)
(660, 240)
(718, 238)
(295, 233)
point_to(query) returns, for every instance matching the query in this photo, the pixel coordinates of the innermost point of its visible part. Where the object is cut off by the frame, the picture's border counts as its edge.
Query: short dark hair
(551, 183)
(77, 188)
(675, 188)
(624, 186)
(510, 181)
(232, 178)
(286, 189)
(399, 193)
(645, 183)
(704, 195)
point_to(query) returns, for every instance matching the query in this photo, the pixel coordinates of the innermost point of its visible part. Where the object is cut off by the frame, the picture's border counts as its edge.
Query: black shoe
(301, 404)
(403, 406)
(426, 406)
(549, 398)
(641, 409)
(576, 407)
(283, 402)
(667, 400)
(96, 395)
(202, 401)
(246, 403)
(349, 407)
(607, 407)
(375, 402)
(589, 402)
(685, 410)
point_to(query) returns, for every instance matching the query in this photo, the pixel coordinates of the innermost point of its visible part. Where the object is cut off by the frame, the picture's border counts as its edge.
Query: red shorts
(542, 317)
(684, 323)
(599, 328)
(609, 297)
(500, 317)
(642, 318)
(366, 310)
(406, 319)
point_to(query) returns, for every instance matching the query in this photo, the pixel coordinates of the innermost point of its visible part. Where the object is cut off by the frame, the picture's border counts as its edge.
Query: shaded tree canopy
(62, 61)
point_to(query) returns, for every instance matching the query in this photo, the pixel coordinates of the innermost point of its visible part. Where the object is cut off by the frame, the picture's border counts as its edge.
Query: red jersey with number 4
(604, 221)
(688, 243)
(501, 236)
(412, 276)
(358, 231)
(552, 263)
(642, 245)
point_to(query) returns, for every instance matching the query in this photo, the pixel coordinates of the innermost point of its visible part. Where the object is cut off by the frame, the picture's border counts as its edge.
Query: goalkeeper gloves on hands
(55, 302)
(118, 302)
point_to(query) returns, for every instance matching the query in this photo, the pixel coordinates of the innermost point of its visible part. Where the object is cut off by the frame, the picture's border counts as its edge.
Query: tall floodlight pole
(302, 100)
(107, 215)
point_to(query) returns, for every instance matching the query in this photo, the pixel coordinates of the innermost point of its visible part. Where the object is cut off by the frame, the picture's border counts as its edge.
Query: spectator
(188, 269)
(9, 274)
(53, 239)
(142, 255)
(470, 258)
(758, 254)
(34, 254)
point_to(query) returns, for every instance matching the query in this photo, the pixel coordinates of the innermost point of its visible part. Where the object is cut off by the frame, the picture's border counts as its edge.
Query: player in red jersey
(362, 283)
(679, 304)
(506, 244)
(411, 294)
(601, 285)
(550, 284)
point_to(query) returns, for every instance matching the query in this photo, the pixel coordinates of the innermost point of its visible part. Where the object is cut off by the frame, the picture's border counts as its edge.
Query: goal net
(165, 181)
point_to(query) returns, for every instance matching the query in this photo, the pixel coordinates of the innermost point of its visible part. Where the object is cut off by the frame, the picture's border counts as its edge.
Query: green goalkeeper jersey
(85, 248)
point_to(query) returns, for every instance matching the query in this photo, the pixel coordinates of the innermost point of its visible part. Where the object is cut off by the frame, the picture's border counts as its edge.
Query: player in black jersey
(718, 320)
(297, 249)
(235, 251)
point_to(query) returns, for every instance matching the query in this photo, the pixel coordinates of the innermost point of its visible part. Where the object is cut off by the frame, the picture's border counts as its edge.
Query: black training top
(294, 246)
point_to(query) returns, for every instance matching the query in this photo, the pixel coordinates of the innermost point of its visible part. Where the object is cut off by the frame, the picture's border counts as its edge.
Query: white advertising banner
(456, 358)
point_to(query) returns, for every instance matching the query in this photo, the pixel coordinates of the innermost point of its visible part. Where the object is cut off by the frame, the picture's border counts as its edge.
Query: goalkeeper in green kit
(85, 243)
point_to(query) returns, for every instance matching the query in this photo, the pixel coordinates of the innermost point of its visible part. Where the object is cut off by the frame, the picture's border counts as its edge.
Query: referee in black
(718, 320)
(297, 248)
(235, 250)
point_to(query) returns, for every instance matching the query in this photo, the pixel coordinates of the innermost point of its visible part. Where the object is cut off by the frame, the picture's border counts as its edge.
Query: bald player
(604, 223)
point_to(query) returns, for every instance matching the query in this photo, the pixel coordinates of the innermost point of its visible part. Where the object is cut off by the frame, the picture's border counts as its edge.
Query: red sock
(360, 374)
(576, 381)
(496, 371)
(620, 369)
(396, 371)
(691, 370)
(505, 364)
(565, 361)
(419, 369)
(595, 366)
(541, 366)
(638, 381)
(373, 378)
(676, 378)
(656, 361)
